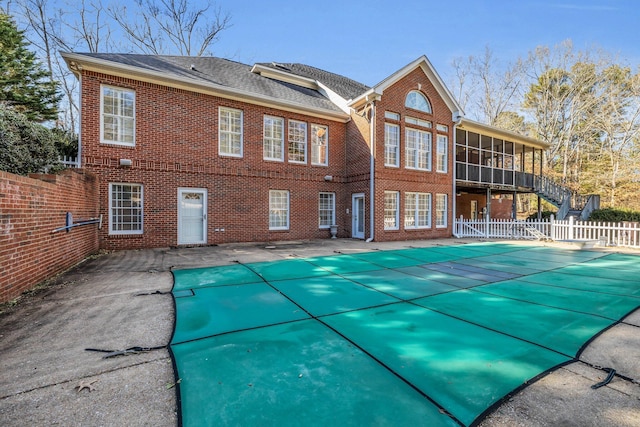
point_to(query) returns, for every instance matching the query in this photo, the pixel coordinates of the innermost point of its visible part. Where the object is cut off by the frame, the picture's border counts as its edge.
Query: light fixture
(125, 162)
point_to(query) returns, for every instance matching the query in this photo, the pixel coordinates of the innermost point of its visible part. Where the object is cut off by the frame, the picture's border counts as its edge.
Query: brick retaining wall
(30, 208)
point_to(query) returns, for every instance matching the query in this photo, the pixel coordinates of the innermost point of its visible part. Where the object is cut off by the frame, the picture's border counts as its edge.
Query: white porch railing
(502, 228)
(70, 162)
(610, 234)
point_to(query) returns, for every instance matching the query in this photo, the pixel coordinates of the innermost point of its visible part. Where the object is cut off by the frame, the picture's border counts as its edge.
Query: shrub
(25, 147)
(614, 215)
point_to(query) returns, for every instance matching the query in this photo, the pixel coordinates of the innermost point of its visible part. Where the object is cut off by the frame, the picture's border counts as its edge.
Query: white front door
(357, 224)
(192, 216)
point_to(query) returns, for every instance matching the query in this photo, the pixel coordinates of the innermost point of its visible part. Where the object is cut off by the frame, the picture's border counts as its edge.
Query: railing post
(486, 228)
(571, 228)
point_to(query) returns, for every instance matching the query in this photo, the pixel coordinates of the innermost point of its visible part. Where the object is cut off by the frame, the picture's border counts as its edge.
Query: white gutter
(78, 73)
(457, 119)
(372, 167)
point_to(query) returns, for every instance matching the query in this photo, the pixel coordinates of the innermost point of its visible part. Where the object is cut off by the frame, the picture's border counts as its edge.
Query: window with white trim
(319, 145)
(326, 210)
(417, 101)
(278, 210)
(391, 145)
(125, 208)
(417, 149)
(417, 210)
(230, 132)
(418, 122)
(297, 141)
(118, 116)
(391, 210)
(273, 144)
(391, 115)
(442, 153)
(441, 210)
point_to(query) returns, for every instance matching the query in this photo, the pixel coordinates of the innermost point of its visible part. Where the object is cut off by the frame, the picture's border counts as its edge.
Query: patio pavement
(98, 305)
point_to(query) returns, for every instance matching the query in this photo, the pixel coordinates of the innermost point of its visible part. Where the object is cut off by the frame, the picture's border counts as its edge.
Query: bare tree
(171, 26)
(150, 26)
(490, 87)
(562, 100)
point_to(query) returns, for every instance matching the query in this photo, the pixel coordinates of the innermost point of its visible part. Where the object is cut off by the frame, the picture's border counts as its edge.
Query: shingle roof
(343, 86)
(235, 75)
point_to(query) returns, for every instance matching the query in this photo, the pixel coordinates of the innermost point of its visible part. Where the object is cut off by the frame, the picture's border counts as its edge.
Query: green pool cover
(424, 336)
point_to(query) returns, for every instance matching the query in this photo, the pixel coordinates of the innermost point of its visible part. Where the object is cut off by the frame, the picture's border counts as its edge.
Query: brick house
(196, 151)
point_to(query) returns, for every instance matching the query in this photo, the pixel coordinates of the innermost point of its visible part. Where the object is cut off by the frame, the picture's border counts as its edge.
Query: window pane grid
(441, 210)
(390, 210)
(418, 150)
(297, 142)
(417, 210)
(391, 144)
(319, 144)
(273, 138)
(126, 212)
(118, 115)
(326, 210)
(230, 126)
(442, 155)
(278, 210)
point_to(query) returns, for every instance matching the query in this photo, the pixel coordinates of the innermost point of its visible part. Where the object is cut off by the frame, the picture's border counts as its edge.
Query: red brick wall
(408, 180)
(30, 208)
(501, 206)
(177, 146)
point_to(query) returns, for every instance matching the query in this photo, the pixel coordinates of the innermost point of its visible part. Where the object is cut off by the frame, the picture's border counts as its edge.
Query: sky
(370, 40)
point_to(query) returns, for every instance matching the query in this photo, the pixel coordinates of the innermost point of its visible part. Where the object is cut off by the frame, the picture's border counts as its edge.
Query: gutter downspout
(372, 166)
(77, 70)
(457, 118)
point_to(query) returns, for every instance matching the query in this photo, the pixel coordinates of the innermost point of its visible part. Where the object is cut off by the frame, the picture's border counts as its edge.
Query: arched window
(417, 101)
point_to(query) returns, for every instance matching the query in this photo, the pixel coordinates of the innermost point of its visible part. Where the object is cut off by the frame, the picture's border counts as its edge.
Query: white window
(327, 210)
(442, 153)
(273, 144)
(297, 141)
(118, 121)
(442, 128)
(418, 149)
(391, 145)
(417, 210)
(391, 115)
(278, 210)
(441, 210)
(319, 145)
(417, 101)
(391, 210)
(230, 132)
(419, 122)
(125, 208)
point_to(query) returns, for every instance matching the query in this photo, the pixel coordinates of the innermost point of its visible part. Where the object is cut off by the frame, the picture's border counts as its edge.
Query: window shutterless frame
(230, 132)
(126, 208)
(117, 116)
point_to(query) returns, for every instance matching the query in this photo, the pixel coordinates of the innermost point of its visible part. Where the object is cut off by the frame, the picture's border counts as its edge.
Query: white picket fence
(70, 162)
(625, 234)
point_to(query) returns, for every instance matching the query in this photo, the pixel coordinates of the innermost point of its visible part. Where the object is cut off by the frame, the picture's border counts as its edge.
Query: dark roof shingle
(229, 74)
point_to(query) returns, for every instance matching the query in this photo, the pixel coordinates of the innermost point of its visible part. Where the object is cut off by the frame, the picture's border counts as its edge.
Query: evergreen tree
(25, 86)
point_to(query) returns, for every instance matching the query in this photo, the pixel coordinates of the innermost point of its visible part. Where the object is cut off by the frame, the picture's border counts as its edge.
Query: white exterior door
(357, 215)
(192, 216)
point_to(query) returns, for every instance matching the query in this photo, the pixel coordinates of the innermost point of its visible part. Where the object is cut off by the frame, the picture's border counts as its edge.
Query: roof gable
(425, 65)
